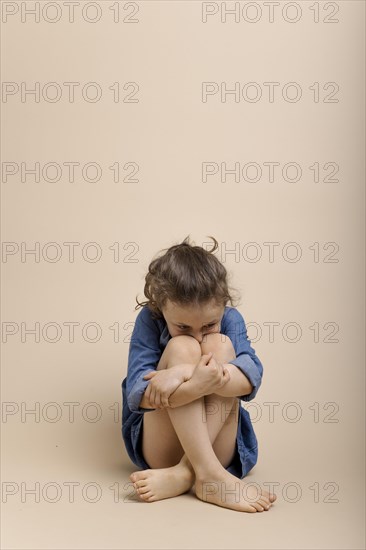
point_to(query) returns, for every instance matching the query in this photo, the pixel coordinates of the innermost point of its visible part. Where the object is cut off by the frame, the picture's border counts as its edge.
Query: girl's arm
(165, 381)
(144, 354)
(249, 369)
(186, 393)
(189, 391)
(238, 385)
(208, 377)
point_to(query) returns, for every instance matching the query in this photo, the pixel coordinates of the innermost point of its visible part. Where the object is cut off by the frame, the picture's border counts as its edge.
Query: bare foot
(228, 491)
(157, 484)
(271, 496)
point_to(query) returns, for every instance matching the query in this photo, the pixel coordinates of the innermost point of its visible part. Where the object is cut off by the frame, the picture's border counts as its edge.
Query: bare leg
(171, 472)
(158, 483)
(213, 483)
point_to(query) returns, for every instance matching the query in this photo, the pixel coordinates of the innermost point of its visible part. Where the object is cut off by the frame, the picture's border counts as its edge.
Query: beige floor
(92, 453)
(170, 132)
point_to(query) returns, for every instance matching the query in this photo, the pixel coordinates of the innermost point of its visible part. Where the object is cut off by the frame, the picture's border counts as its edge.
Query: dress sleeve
(246, 359)
(143, 357)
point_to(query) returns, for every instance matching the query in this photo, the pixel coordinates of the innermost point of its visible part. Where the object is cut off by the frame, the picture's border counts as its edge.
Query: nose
(198, 336)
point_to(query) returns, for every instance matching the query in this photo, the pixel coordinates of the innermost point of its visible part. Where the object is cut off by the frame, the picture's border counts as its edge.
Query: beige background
(317, 461)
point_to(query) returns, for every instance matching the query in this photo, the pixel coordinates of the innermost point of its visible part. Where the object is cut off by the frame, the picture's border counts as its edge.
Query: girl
(190, 362)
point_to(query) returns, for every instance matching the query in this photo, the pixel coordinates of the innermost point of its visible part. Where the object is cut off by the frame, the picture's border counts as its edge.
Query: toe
(138, 476)
(141, 483)
(147, 495)
(269, 496)
(258, 507)
(252, 509)
(143, 490)
(265, 505)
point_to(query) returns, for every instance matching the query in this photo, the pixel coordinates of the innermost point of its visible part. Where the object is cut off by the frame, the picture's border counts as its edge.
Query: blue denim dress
(148, 341)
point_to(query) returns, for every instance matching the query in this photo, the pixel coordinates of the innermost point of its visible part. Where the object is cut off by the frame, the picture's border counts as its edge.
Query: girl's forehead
(194, 310)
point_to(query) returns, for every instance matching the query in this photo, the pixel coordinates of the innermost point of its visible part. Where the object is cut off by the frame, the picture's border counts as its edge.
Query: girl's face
(193, 320)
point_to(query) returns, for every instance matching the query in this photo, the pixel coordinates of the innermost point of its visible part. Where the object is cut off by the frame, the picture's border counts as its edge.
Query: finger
(225, 378)
(152, 397)
(157, 399)
(212, 359)
(148, 391)
(149, 375)
(226, 374)
(205, 358)
(165, 400)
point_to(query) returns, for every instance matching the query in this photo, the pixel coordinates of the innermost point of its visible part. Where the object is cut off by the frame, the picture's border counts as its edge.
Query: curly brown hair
(185, 275)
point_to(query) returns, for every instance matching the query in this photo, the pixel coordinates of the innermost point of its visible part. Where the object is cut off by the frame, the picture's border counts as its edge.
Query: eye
(211, 325)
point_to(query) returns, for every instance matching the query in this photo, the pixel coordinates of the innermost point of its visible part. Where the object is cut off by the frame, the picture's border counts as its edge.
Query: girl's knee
(184, 346)
(180, 349)
(217, 342)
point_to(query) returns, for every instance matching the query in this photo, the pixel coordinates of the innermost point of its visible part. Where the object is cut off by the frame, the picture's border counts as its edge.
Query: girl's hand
(209, 375)
(162, 384)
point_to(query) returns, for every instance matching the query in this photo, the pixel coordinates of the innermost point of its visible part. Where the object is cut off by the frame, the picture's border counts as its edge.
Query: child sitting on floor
(190, 362)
